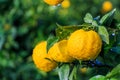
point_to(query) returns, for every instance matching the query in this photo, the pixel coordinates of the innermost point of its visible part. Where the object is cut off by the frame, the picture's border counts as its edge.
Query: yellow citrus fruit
(58, 52)
(41, 58)
(107, 6)
(65, 4)
(84, 45)
(53, 2)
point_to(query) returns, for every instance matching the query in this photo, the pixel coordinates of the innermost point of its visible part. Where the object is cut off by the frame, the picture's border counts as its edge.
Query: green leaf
(116, 49)
(104, 34)
(51, 41)
(64, 31)
(64, 71)
(114, 72)
(107, 19)
(61, 32)
(94, 23)
(113, 79)
(88, 18)
(73, 73)
(98, 77)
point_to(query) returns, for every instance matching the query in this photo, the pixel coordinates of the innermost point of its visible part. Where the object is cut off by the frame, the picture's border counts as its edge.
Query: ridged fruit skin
(84, 45)
(53, 2)
(41, 58)
(58, 52)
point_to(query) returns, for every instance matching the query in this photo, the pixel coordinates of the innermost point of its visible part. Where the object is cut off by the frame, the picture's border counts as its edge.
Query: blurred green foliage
(24, 23)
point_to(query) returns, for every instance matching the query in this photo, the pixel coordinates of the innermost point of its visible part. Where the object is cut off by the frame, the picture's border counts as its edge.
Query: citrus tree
(82, 52)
